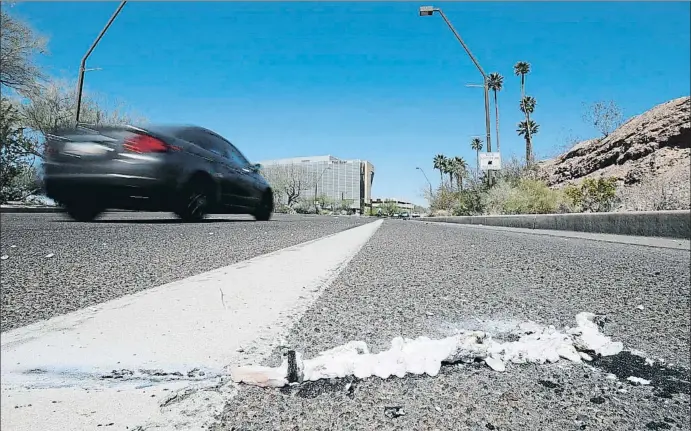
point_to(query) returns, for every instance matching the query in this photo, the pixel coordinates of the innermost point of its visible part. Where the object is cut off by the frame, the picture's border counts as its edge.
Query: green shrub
(593, 195)
(529, 196)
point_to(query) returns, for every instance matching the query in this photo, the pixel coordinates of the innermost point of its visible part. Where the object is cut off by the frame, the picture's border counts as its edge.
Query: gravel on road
(54, 266)
(415, 279)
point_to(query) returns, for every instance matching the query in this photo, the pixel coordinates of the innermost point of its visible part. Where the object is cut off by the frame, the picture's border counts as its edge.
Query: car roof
(170, 129)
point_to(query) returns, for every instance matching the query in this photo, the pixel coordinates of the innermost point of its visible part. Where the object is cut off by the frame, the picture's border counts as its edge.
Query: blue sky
(370, 80)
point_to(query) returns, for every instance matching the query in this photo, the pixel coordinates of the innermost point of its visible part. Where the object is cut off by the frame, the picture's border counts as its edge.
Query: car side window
(231, 153)
(237, 156)
(198, 137)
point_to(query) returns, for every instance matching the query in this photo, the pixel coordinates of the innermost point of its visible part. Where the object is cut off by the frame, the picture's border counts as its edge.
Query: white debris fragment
(262, 376)
(640, 307)
(495, 364)
(50, 255)
(611, 376)
(638, 380)
(649, 362)
(623, 391)
(585, 356)
(13, 246)
(536, 344)
(589, 337)
(4, 257)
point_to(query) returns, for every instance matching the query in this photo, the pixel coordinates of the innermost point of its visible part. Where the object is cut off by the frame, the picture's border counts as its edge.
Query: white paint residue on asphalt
(638, 380)
(200, 322)
(537, 344)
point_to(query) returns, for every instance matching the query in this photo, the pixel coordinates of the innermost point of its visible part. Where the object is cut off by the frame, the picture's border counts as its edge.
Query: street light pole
(428, 182)
(429, 11)
(82, 66)
(316, 183)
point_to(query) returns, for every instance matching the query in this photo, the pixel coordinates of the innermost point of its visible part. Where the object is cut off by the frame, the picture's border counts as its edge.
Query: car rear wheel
(84, 212)
(195, 204)
(265, 208)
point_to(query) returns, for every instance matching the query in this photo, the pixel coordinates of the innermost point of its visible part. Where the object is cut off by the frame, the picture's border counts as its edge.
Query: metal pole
(428, 181)
(316, 184)
(488, 125)
(82, 66)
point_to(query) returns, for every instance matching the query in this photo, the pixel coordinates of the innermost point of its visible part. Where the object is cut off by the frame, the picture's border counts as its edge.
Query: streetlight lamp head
(426, 10)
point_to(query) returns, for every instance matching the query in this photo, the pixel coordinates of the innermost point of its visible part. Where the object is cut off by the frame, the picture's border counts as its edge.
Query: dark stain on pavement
(314, 389)
(548, 384)
(666, 381)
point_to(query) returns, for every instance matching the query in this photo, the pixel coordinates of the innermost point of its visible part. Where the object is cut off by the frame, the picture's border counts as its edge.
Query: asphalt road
(410, 279)
(126, 252)
(415, 279)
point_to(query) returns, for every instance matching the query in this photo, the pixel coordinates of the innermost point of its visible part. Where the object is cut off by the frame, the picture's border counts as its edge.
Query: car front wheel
(83, 212)
(195, 204)
(265, 208)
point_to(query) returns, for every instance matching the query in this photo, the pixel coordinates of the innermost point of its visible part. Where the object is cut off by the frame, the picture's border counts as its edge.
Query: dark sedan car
(188, 170)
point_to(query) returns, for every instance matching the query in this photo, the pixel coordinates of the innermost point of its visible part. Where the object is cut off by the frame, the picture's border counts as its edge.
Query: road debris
(535, 344)
(638, 380)
(394, 412)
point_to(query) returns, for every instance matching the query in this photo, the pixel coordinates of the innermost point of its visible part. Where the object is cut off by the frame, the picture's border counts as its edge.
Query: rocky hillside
(650, 155)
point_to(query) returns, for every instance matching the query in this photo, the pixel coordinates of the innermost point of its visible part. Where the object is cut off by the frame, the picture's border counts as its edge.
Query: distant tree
(527, 106)
(287, 181)
(527, 129)
(15, 155)
(19, 46)
(522, 68)
(439, 163)
(459, 167)
(476, 144)
(448, 169)
(605, 117)
(495, 83)
(389, 208)
(52, 106)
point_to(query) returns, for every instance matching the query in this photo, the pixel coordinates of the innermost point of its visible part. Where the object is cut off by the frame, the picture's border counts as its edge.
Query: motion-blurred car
(188, 170)
(415, 215)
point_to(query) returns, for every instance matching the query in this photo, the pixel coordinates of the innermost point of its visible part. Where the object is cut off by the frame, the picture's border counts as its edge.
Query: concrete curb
(27, 210)
(667, 224)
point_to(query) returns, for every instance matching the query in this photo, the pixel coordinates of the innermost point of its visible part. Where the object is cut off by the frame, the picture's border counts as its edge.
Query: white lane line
(200, 322)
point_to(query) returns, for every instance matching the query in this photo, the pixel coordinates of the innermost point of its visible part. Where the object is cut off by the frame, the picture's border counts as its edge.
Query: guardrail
(667, 224)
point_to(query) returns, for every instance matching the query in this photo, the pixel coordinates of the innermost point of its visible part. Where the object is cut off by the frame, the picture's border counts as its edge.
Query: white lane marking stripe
(173, 327)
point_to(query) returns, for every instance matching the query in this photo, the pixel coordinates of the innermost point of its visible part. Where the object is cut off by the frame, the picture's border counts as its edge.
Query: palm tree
(527, 106)
(448, 169)
(459, 169)
(495, 82)
(476, 144)
(527, 129)
(439, 162)
(522, 68)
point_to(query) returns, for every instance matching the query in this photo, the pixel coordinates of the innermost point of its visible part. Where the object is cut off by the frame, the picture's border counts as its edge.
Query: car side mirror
(256, 167)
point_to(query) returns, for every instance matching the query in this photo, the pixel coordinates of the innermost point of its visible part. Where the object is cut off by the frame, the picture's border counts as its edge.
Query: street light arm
(82, 65)
(322, 174)
(458, 36)
(428, 181)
